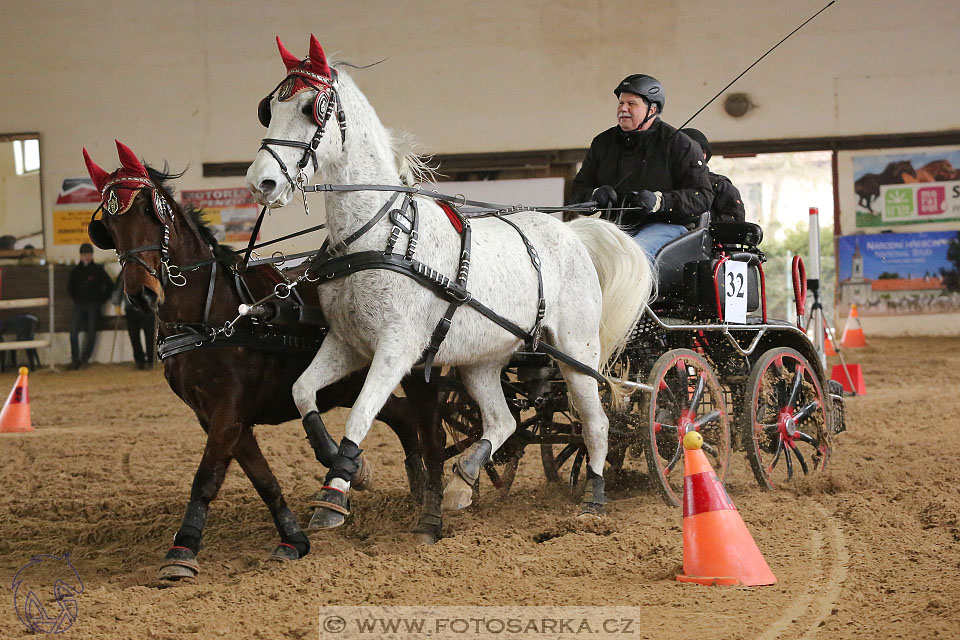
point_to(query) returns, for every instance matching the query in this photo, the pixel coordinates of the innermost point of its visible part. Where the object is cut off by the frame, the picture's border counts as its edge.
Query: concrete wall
(180, 80)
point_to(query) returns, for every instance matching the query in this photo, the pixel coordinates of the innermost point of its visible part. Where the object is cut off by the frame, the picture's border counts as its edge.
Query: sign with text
(231, 213)
(76, 202)
(735, 292)
(909, 187)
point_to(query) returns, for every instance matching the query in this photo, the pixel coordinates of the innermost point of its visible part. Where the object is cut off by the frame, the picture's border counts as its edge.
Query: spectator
(138, 322)
(89, 288)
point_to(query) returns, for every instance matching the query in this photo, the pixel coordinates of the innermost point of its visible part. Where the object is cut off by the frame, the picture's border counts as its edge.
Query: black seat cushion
(735, 232)
(671, 258)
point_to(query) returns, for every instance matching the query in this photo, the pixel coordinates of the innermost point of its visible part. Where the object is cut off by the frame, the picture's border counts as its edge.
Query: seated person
(24, 326)
(727, 204)
(650, 177)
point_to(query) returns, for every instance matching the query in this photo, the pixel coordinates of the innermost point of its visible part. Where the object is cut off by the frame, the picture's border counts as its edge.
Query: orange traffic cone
(15, 416)
(828, 346)
(852, 331)
(717, 548)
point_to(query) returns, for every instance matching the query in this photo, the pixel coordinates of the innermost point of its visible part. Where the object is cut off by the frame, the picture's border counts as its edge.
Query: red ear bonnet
(98, 175)
(290, 61)
(122, 186)
(317, 61)
(130, 162)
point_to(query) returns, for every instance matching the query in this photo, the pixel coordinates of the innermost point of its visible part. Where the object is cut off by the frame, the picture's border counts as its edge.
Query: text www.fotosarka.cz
(344, 622)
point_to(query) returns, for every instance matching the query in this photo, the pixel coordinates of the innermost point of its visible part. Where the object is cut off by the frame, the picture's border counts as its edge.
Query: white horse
(596, 282)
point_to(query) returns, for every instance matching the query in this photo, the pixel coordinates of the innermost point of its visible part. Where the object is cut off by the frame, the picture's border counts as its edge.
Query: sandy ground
(871, 549)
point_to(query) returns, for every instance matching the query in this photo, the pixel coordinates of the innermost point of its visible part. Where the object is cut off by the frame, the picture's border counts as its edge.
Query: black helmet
(697, 136)
(645, 86)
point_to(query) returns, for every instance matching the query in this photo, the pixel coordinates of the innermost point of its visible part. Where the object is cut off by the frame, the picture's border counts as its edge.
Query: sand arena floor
(871, 549)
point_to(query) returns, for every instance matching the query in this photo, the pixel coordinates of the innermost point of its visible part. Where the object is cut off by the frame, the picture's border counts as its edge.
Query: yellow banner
(70, 226)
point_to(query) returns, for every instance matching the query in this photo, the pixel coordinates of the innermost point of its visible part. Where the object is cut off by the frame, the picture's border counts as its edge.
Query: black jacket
(655, 160)
(727, 203)
(89, 283)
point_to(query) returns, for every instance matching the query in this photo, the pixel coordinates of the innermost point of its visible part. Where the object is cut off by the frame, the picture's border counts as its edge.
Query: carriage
(756, 387)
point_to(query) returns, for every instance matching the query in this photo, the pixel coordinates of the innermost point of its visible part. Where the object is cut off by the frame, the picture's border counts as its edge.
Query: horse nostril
(267, 186)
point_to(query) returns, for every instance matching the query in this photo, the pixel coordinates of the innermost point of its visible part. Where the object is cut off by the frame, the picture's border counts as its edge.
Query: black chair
(24, 327)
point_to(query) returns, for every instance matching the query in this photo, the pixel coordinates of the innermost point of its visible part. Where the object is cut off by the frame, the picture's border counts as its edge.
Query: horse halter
(326, 103)
(111, 205)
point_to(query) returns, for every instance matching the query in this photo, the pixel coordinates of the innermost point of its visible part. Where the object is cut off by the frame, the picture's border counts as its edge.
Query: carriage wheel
(786, 418)
(686, 396)
(555, 458)
(460, 416)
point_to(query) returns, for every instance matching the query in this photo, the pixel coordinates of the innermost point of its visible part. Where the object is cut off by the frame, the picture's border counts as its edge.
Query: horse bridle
(168, 273)
(326, 103)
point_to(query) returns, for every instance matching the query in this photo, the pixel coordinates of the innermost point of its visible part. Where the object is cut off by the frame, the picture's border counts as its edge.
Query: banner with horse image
(907, 188)
(232, 213)
(899, 273)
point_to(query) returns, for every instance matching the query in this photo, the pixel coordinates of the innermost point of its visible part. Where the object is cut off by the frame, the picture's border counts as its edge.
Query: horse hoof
(283, 553)
(591, 510)
(457, 494)
(324, 518)
(422, 538)
(330, 508)
(179, 563)
(362, 480)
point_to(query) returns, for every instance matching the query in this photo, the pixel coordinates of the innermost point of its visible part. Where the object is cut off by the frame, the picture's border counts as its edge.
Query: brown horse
(242, 373)
(936, 171)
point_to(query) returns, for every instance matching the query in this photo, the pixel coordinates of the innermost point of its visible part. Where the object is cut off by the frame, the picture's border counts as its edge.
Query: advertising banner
(899, 273)
(76, 202)
(907, 188)
(231, 213)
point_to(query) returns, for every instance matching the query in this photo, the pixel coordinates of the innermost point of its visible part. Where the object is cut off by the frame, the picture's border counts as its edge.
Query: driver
(644, 165)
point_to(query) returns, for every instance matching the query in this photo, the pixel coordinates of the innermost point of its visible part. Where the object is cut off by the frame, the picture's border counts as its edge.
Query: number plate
(735, 292)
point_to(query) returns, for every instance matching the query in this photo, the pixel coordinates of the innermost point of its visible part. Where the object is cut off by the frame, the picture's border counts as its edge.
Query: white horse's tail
(626, 281)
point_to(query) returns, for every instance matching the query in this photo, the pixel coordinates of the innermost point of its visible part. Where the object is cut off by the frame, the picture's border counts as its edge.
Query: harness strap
(341, 246)
(210, 287)
(351, 263)
(443, 326)
(541, 303)
(271, 343)
(254, 234)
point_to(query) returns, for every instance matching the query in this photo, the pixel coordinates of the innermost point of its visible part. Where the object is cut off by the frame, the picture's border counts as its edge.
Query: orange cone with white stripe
(852, 331)
(15, 416)
(717, 547)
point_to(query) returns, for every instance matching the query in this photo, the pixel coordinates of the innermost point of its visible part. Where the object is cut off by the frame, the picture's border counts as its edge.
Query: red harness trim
(452, 214)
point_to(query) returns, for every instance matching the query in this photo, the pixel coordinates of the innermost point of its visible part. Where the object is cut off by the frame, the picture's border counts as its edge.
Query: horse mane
(412, 166)
(195, 214)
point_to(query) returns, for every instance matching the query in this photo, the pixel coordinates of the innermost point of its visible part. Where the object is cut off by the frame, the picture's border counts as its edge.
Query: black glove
(643, 201)
(604, 196)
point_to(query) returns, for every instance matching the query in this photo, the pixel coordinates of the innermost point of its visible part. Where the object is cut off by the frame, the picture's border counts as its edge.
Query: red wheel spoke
(797, 384)
(684, 380)
(800, 459)
(776, 455)
(674, 460)
(698, 393)
(806, 412)
(800, 435)
(706, 419)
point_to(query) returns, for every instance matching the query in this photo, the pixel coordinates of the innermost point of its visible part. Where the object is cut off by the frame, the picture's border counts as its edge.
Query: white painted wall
(180, 80)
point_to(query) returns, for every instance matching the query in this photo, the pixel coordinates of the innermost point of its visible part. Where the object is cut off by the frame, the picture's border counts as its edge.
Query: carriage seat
(672, 258)
(733, 232)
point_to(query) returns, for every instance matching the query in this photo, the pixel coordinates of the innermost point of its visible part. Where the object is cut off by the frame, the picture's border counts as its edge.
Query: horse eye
(307, 109)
